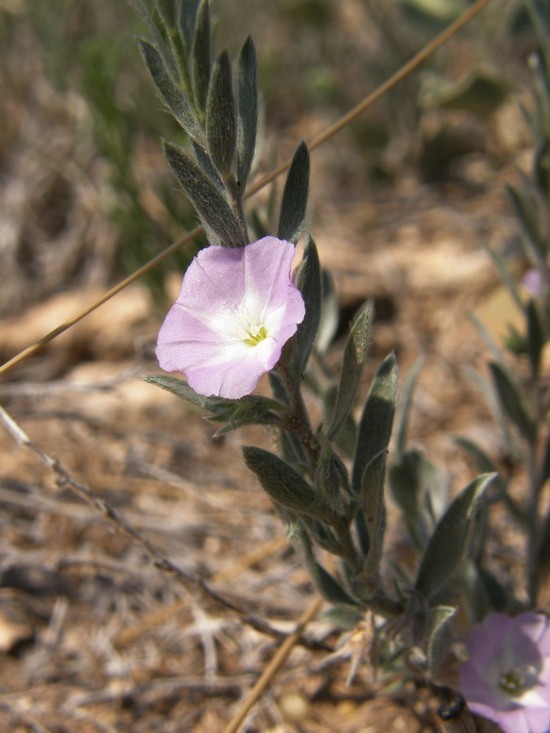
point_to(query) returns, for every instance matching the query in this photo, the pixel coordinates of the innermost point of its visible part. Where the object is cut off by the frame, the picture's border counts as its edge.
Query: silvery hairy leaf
(156, 35)
(200, 55)
(171, 94)
(542, 565)
(187, 19)
(294, 203)
(374, 510)
(376, 422)
(249, 410)
(210, 204)
(526, 210)
(331, 476)
(326, 584)
(448, 545)
(284, 485)
(418, 487)
(330, 314)
(506, 276)
(178, 387)
(535, 336)
(510, 398)
(308, 280)
(355, 355)
(247, 117)
(405, 406)
(438, 637)
(221, 125)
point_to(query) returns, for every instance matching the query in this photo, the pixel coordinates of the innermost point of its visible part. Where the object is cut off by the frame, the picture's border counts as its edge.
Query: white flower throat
(255, 334)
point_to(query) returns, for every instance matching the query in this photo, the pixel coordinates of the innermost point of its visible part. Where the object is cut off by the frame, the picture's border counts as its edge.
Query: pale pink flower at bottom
(507, 677)
(236, 310)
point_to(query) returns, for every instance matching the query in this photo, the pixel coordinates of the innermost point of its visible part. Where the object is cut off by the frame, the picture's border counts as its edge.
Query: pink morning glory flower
(507, 677)
(236, 310)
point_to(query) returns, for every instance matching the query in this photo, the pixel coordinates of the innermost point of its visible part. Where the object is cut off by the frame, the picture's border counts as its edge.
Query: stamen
(255, 335)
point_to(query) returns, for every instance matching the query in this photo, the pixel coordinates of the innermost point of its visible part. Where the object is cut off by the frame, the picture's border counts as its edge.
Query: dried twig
(197, 589)
(273, 667)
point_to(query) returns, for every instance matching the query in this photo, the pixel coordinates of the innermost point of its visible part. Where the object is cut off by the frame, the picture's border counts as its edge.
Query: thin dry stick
(193, 585)
(273, 667)
(151, 620)
(330, 131)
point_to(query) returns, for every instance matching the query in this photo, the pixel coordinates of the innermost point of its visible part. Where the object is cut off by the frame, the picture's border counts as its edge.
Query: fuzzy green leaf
(511, 401)
(327, 586)
(210, 204)
(418, 487)
(448, 544)
(376, 422)
(406, 404)
(330, 314)
(308, 280)
(542, 565)
(535, 336)
(187, 20)
(174, 98)
(438, 638)
(284, 485)
(374, 510)
(355, 355)
(247, 118)
(180, 388)
(201, 59)
(221, 126)
(249, 410)
(294, 203)
(526, 210)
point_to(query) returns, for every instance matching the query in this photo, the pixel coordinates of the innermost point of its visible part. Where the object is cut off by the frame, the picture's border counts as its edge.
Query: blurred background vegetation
(85, 195)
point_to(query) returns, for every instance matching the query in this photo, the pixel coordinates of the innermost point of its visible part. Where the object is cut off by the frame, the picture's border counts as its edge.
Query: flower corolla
(236, 310)
(507, 677)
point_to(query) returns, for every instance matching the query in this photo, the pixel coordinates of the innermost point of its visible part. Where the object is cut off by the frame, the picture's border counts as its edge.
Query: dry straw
(193, 584)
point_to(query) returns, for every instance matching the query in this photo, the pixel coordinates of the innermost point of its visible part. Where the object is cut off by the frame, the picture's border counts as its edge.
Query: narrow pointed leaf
(542, 566)
(221, 128)
(247, 119)
(406, 404)
(209, 202)
(156, 36)
(413, 480)
(308, 280)
(327, 586)
(355, 355)
(174, 98)
(507, 278)
(448, 544)
(178, 387)
(206, 165)
(527, 214)
(376, 422)
(535, 336)
(294, 203)
(187, 20)
(284, 485)
(438, 637)
(511, 401)
(374, 510)
(201, 60)
(330, 314)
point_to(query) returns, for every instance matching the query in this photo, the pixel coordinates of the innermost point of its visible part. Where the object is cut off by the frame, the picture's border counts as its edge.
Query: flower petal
(228, 297)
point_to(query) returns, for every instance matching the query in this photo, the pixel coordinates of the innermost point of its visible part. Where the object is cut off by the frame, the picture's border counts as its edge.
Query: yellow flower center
(516, 682)
(255, 335)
